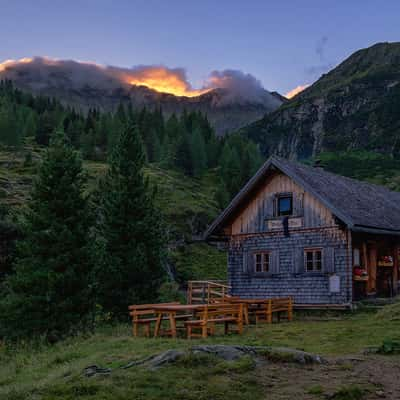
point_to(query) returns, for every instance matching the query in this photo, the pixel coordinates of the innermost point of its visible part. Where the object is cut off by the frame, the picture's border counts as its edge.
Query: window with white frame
(262, 262)
(313, 260)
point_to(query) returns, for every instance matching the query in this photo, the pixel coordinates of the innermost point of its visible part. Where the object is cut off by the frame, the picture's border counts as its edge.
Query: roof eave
(345, 218)
(375, 230)
(273, 161)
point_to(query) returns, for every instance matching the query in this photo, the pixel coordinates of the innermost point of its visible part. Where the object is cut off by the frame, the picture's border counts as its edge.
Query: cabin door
(384, 281)
(387, 270)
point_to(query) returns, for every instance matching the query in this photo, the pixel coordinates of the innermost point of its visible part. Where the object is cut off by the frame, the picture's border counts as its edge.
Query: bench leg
(134, 330)
(212, 329)
(147, 330)
(172, 325)
(246, 314)
(240, 327)
(269, 317)
(226, 328)
(290, 314)
(158, 325)
(204, 329)
(189, 332)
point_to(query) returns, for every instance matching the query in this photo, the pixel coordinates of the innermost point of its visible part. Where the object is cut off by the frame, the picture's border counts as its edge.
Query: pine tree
(50, 292)
(9, 133)
(230, 169)
(198, 152)
(222, 196)
(173, 128)
(250, 161)
(131, 239)
(183, 159)
(45, 127)
(30, 125)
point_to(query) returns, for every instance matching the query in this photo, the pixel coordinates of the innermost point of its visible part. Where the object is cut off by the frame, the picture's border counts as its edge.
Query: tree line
(84, 256)
(186, 142)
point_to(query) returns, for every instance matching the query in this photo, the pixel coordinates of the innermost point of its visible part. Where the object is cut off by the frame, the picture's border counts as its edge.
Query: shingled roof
(360, 205)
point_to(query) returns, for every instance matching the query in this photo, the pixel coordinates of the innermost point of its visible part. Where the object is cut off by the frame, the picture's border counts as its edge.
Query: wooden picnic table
(246, 304)
(172, 311)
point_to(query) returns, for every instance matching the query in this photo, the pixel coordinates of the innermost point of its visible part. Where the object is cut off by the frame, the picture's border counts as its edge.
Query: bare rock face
(353, 107)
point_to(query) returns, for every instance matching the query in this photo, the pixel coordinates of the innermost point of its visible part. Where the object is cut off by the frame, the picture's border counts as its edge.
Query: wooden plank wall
(253, 217)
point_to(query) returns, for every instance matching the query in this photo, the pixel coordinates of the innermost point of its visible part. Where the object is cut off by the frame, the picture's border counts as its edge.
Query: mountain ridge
(71, 82)
(355, 106)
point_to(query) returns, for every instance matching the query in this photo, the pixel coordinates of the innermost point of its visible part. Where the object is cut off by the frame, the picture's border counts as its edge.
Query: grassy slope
(188, 206)
(56, 372)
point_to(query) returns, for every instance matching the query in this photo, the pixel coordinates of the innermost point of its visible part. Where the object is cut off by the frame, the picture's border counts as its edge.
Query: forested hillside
(188, 205)
(364, 165)
(194, 172)
(187, 144)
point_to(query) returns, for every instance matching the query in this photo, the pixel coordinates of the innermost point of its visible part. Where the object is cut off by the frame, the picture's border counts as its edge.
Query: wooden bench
(283, 305)
(226, 313)
(225, 299)
(265, 311)
(143, 314)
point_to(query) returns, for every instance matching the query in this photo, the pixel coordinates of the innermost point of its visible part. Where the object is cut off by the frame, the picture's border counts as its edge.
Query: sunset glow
(296, 91)
(9, 63)
(163, 80)
(159, 78)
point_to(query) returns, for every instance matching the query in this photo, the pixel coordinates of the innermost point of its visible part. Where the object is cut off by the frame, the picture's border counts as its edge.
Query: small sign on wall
(334, 284)
(277, 223)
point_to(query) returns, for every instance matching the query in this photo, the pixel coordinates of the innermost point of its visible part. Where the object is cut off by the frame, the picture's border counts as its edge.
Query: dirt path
(375, 377)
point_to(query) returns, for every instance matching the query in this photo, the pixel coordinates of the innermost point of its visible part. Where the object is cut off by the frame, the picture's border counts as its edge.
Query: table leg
(158, 324)
(246, 313)
(172, 323)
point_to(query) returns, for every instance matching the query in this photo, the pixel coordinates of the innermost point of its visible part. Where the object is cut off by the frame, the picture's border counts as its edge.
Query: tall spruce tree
(198, 152)
(130, 233)
(50, 292)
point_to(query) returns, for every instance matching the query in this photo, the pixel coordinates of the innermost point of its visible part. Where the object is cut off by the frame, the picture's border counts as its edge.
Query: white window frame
(265, 262)
(313, 250)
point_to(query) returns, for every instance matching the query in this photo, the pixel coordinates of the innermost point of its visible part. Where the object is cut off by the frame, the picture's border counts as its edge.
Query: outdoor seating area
(201, 320)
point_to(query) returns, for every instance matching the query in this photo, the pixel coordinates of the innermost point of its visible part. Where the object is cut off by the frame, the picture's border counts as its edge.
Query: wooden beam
(396, 268)
(372, 261)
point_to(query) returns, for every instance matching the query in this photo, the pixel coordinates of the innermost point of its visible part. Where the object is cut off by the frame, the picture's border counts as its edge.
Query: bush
(169, 291)
(390, 346)
(351, 392)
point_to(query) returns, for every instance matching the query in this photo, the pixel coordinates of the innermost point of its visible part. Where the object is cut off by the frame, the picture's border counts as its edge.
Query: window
(313, 260)
(261, 262)
(285, 205)
(356, 257)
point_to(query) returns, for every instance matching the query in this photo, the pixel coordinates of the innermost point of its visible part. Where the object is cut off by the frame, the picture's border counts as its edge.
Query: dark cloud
(76, 74)
(320, 48)
(240, 87)
(323, 65)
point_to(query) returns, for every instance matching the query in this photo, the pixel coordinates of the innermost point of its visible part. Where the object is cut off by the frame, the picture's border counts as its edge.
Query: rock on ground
(224, 352)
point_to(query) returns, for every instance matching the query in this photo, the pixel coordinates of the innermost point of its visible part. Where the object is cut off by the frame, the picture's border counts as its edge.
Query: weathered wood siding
(287, 275)
(254, 217)
(250, 233)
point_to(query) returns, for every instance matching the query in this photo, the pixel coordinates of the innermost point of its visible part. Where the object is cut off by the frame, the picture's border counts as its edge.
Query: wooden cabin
(324, 239)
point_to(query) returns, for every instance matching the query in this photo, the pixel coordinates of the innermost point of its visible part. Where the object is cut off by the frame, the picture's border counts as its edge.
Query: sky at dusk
(282, 43)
